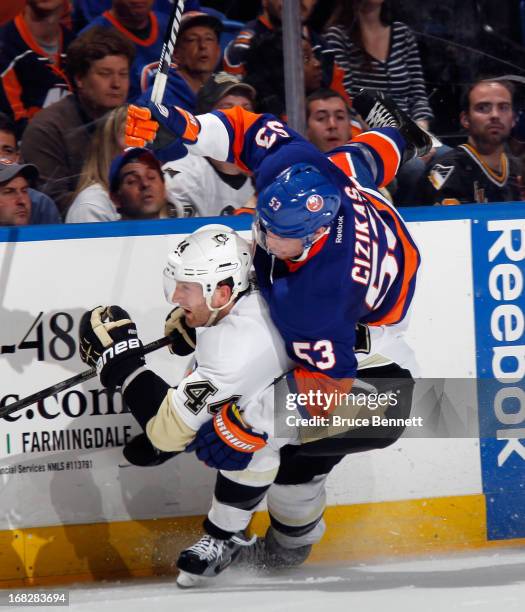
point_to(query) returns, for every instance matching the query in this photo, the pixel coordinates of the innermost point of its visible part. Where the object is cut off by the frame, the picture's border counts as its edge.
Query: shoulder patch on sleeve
(439, 175)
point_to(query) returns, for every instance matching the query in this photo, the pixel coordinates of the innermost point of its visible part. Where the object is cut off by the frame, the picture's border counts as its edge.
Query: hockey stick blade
(170, 38)
(71, 382)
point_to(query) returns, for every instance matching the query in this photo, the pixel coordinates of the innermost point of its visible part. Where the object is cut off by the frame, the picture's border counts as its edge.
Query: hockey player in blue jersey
(332, 252)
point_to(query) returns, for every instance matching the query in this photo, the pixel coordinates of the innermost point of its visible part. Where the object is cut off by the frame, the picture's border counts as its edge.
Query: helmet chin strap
(215, 311)
(309, 243)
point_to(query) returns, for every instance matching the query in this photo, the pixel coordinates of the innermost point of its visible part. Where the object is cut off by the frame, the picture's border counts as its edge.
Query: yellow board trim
(65, 554)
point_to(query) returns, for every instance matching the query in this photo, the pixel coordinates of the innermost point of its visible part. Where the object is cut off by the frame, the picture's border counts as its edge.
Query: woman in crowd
(92, 202)
(378, 53)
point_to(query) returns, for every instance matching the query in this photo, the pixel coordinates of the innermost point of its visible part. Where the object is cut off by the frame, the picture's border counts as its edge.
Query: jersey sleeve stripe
(344, 162)
(412, 261)
(387, 150)
(240, 121)
(13, 93)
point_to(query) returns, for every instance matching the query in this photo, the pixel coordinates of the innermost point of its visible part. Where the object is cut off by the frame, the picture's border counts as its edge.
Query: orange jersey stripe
(307, 381)
(192, 129)
(241, 121)
(230, 69)
(411, 265)
(138, 41)
(386, 151)
(13, 92)
(342, 161)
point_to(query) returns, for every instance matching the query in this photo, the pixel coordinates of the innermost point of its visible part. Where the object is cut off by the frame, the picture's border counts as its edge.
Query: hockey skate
(208, 558)
(380, 111)
(268, 553)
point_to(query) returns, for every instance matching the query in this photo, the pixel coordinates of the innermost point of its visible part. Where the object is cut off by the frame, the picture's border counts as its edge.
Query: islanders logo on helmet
(315, 203)
(307, 199)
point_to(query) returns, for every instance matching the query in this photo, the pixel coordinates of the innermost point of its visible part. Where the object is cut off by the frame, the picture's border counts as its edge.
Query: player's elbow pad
(144, 395)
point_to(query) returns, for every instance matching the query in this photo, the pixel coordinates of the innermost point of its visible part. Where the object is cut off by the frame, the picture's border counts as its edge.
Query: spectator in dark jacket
(32, 54)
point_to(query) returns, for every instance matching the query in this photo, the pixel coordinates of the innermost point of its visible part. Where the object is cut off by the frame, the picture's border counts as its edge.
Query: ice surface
(493, 581)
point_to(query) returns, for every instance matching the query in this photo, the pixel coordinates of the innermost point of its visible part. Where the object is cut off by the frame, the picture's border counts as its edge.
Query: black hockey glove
(183, 338)
(108, 341)
(140, 451)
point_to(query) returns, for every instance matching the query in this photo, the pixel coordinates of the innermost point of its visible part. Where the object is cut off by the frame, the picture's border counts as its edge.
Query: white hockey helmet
(212, 254)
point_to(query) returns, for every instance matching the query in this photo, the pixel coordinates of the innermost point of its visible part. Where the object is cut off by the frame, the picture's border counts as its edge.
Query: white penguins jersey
(237, 358)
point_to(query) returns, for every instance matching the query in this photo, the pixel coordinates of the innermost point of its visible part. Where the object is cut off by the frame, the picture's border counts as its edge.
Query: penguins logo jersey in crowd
(462, 177)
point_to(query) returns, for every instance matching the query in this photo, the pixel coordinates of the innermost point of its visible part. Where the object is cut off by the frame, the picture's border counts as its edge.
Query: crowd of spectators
(69, 68)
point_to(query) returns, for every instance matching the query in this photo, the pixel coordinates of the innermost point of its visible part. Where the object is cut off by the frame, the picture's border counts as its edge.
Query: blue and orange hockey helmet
(299, 201)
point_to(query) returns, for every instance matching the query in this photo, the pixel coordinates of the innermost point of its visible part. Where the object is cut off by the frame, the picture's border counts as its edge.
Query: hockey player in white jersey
(238, 352)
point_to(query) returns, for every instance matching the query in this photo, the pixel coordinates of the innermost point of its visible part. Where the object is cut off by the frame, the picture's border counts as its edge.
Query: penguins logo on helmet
(181, 247)
(315, 203)
(220, 239)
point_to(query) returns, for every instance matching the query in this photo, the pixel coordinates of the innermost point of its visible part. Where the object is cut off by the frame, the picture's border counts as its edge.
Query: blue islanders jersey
(147, 51)
(363, 270)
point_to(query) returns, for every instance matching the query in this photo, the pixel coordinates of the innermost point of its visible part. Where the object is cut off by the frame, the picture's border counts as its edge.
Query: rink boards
(70, 505)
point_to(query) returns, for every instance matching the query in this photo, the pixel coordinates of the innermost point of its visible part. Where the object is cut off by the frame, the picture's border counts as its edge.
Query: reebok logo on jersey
(439, 175)
(315, 203)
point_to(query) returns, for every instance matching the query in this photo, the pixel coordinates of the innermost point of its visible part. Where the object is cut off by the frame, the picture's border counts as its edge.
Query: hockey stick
(71, 382)
(159, 85)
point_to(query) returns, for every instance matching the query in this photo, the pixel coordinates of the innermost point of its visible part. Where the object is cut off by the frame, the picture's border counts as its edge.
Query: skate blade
(436, 143)
(188, 581)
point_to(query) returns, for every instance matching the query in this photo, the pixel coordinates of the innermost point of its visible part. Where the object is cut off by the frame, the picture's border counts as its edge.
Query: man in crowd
(196, 56)
(267, 21)
(204, 186)
(32, 74)
(480, 170)
(270, 20)
(137, 188)
(142, 27)
(43, 209)
(57, 139)
(15, 203)
(327, 120)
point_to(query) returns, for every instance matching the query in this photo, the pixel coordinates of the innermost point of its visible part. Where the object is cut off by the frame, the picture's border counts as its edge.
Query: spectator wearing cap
(32, 74)
(137, 188)
(197, 54)
(204, 186)
(143, 28)
(57, 140)
(43, 209)
(15, 203)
